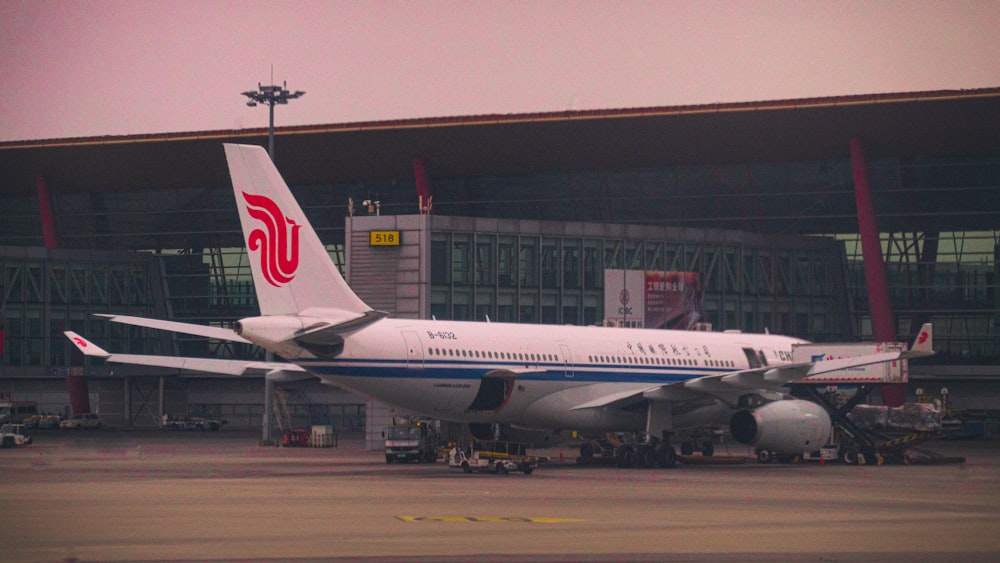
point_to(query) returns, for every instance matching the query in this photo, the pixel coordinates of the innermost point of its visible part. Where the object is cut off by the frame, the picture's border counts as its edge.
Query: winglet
(87, 347)
(924, 343)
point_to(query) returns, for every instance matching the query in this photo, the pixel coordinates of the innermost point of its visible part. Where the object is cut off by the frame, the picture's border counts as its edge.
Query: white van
(16, 412)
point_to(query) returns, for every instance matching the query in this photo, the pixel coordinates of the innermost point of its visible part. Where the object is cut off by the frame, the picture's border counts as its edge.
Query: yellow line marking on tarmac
(533, 520)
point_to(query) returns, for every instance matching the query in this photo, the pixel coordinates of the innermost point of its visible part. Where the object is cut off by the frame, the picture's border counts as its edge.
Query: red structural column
(79, 397)
(48, 214)
(425, 199)
(883, 327)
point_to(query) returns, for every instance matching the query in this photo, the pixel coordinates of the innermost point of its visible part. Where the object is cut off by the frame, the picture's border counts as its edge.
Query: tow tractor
(14, 435)
(493, 457)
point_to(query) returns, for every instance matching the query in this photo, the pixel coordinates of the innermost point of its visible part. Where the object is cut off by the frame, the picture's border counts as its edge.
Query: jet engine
(783, 427)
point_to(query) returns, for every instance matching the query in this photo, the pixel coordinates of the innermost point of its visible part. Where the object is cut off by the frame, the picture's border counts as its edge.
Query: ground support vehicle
(17, 412)
(860, 438)
(43, 421)
(88, 421)
(323, 436)
(857, 445)
(493, 457)
(295, 438)
(417, 441)
(829, 452)
(192, 423)
(14, 435)
(601, 449)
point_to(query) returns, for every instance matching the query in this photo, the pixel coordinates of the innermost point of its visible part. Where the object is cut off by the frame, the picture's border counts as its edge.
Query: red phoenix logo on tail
(278, 242)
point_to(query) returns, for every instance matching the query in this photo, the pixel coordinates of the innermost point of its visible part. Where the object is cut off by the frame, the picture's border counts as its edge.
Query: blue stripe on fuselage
(591, 373)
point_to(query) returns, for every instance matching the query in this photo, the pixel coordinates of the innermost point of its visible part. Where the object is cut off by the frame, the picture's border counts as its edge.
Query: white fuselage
(535, 374)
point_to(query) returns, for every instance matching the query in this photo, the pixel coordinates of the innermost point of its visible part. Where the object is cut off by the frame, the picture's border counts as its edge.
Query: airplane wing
(728, 386)
(621, 399)
(276, 371)
(173, 326)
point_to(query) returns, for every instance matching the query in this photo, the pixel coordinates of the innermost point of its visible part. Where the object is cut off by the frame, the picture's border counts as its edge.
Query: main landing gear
(646, 455)
(626, 451)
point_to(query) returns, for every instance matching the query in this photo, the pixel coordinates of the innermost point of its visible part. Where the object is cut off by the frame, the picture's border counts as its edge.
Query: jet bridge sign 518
(383, 238)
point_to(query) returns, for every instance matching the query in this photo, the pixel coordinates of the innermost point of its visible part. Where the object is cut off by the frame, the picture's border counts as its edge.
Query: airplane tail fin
(87, 347)
(292, 271)
(923, 345)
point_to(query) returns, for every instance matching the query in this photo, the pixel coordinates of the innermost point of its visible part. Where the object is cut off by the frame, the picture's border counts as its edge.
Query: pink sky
(85, 68)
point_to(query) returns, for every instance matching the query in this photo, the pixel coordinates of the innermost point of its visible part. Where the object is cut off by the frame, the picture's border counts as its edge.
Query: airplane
(655, 384)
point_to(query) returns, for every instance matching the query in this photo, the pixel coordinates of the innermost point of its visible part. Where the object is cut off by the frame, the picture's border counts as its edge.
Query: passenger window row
(657, 361)
(523, 357)
(491, 355)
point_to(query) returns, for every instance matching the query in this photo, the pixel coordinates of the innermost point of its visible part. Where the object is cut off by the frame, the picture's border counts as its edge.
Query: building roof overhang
(906, 125)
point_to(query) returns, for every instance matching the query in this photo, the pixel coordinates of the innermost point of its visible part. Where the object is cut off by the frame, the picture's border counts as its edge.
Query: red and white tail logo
(278, 241)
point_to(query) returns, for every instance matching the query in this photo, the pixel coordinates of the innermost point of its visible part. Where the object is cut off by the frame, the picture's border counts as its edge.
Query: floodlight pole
(270, 131)
(271, 95)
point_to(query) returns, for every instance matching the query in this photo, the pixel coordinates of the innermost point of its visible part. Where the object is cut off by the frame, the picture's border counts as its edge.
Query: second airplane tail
(292, 271)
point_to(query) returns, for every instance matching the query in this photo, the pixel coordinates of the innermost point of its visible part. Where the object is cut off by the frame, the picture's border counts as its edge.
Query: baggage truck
(493, 457)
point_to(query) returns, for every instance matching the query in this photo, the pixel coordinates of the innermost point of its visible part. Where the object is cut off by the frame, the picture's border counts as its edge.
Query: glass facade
(939, 217)
(560, 280)
(949, 278)
(46, 293)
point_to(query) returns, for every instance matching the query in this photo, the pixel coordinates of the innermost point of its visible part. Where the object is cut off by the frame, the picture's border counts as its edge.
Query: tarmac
(195, 496)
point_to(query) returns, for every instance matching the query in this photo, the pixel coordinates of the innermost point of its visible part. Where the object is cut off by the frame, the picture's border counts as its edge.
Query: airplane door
(755, 358)
(567, 360)
(414, 350)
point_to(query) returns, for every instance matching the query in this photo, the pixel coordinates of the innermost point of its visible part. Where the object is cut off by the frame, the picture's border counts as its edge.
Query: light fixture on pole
(271, 95)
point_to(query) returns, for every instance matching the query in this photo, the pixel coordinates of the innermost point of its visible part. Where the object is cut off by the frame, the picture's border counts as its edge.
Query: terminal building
(747, 216)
